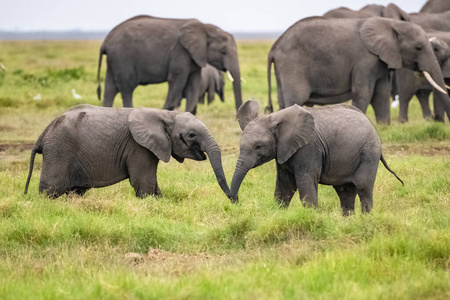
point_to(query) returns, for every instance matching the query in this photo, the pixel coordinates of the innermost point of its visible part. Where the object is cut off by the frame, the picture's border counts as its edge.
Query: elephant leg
(177, 84)
(439, 101)
(193, 93)
(362, 89)
(347, 195)
(127, 97)
(366, 198)
(405, 97)
(110, 89)
(142, 169)
(423, 96)
(285, 186)
(307, 188)
(381, 101)
(52, 189)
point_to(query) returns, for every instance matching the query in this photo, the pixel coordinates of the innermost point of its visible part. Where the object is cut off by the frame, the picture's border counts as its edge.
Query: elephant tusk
(230, 76)
(433, 83)
(3, 66)
(448, 87)
(243, 80)
(431, 39)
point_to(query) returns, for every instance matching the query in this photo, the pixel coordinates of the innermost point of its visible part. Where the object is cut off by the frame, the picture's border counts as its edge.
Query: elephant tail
(99, 88)
(36, 149)
(269, 107)
(389, 169)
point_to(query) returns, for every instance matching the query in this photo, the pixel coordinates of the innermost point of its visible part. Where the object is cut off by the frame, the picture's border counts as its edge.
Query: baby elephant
(89, 147)
(333, 145)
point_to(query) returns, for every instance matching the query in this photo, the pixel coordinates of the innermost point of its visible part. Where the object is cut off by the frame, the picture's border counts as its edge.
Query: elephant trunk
(242, 168)
(233, 68)
(212, 150)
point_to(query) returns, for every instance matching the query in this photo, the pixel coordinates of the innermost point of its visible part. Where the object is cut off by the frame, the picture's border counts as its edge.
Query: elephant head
(209, 44)
(278, 135)
(180, 135)
(402, 45)
(442, 52)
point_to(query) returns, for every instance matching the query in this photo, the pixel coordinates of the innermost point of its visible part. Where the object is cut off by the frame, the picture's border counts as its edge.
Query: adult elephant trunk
(232, 66)
(212, 150)
(242, 168)
(433, 74)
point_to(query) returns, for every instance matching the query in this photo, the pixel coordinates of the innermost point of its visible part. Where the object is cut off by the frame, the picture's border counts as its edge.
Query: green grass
(193, 243)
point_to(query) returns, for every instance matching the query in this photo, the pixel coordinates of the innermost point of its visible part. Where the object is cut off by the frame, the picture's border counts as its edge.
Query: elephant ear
(194, 39)
(392, 11)
(294, 127)
(149, 129)
(247, 113)
(379, 37)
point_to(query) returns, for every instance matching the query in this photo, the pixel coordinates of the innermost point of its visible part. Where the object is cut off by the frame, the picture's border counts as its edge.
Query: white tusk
(448, 87)
(431, 38)
(3, 66)
(243, 80)
(230, 76)
(433, 83)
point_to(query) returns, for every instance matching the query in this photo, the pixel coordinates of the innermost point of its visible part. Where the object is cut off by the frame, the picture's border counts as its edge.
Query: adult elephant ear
(379, 37)
(247, 113)
(193, 38)
(392, 11)
(149, 128)
(294, 127)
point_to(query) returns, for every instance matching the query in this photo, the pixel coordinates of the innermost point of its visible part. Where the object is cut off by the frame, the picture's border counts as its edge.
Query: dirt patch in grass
(173, 264)
(409, 149)
(16, 146)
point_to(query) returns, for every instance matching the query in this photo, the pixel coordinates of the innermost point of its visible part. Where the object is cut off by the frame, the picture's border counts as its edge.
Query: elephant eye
(258, 147)
(192, 135)
(419, 48)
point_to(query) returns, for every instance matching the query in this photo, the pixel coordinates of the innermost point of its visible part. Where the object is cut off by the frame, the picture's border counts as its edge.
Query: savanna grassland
(192, 243)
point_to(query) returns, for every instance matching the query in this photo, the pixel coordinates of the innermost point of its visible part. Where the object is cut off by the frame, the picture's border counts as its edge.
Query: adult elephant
(436, 6)
(146, 49)
(369, 11)
(352, 57)
(410, 83)
(89, 147)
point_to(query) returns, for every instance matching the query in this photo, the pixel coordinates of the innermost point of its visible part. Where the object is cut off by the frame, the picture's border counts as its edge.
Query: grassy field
(192, 243)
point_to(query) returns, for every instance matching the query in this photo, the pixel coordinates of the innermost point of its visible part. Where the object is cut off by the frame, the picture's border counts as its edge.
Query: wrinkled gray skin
(212, 83)
(352, 59)
(369, 11)
(333, 145)
(410, 83)
(436, 6)
(145, 50)
(432, 21)
(89, 147)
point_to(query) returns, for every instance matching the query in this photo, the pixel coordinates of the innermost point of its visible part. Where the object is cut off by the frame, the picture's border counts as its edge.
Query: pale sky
(230, 15)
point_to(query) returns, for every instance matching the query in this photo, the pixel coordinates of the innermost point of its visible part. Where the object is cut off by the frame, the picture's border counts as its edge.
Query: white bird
(37, 97)
(75, 95)
(396, 102)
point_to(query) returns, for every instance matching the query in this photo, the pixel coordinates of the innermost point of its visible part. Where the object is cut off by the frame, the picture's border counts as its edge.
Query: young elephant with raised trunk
(334, 145)
(90, 146)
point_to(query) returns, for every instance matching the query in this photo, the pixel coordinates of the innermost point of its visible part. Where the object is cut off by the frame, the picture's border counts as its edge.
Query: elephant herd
(364, 55)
